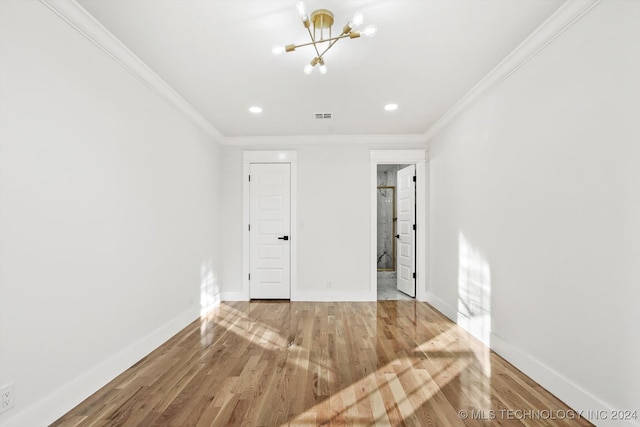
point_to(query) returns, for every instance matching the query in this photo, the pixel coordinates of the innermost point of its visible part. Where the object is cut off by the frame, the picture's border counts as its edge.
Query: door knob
(397, 236)
(283, 238)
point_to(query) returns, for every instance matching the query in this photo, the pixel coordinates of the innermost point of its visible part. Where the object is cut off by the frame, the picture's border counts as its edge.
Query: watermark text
(546, 414)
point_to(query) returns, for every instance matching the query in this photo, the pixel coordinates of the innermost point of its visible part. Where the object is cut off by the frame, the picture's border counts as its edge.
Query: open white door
(269, 231)
(406, 237)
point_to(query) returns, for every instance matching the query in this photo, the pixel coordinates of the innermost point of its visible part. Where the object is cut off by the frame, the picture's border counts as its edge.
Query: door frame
(249, 157)
(405, 157)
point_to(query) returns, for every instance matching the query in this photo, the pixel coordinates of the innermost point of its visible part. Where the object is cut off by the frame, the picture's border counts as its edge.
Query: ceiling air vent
(323, 115)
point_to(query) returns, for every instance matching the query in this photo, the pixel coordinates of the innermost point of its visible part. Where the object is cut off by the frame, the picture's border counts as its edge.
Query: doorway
(396, 234)
(269, 224)
(398, 224)
(269, 230)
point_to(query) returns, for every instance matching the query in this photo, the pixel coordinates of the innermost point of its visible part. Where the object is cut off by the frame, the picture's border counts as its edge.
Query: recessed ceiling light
(255, 110)
(391, 107)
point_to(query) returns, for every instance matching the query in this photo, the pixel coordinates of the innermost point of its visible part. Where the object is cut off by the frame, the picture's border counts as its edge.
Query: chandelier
(322, 21)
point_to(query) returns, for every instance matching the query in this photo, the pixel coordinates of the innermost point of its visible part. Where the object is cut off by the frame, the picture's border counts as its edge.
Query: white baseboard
(564, 389)
(442, 306)
(50, 408)
(333, 295)
(233, 296)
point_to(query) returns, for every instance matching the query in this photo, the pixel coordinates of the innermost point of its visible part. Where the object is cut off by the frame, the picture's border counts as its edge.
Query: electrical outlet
(7, 396)
(329, 283)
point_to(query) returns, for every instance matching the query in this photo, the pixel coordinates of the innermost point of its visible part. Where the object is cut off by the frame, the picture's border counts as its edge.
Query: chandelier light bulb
(368, 31)
(277, 50)
(308, 69)
(323, 69)
(302, 10)
(358, 19)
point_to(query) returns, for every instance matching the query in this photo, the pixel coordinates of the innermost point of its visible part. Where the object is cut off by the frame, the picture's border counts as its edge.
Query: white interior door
(406, 237)
(269, 231)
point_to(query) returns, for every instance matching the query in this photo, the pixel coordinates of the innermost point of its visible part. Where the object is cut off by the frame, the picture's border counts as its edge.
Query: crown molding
(242, 141)
(567, 15)
(83, 22)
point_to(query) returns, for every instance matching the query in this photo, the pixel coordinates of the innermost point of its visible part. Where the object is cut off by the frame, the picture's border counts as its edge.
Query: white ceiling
(217, 55)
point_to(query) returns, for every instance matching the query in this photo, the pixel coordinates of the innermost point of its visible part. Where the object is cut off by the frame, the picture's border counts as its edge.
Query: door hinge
(249, 226)
(414, 178)
(414, 275)
(250, 275)
(414, 227)
(249, 178)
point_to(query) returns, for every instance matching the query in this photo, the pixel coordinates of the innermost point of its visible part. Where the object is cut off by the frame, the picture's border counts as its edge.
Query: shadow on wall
(474, 296)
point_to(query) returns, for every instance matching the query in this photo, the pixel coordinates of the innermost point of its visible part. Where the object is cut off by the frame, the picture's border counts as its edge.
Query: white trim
(570, 393)
(83, 22)
(272, 156)
(233, 296)
(246, 252)
(441, 305)
(333, 295)
(398, 156)
(323, 139)
(51, 407)
(295, 236)
(418, 158)
(422, 221)
(567, 15)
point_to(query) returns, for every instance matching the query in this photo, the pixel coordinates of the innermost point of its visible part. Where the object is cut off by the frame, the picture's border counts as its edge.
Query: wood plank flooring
(271, 363)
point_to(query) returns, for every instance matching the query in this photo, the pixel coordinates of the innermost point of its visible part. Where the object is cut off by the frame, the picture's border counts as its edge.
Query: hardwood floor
(304, 364)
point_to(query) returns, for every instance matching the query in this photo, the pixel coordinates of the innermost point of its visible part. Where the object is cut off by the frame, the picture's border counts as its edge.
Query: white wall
(108, 213)
(333, 218)
(109, 203)
(535, 203)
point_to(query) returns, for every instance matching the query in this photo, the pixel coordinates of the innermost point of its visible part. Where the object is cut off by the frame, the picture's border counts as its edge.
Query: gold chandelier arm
(332, 39)
(313, 40)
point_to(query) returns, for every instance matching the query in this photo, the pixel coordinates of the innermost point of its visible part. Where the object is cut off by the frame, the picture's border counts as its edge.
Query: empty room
(356, 212)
